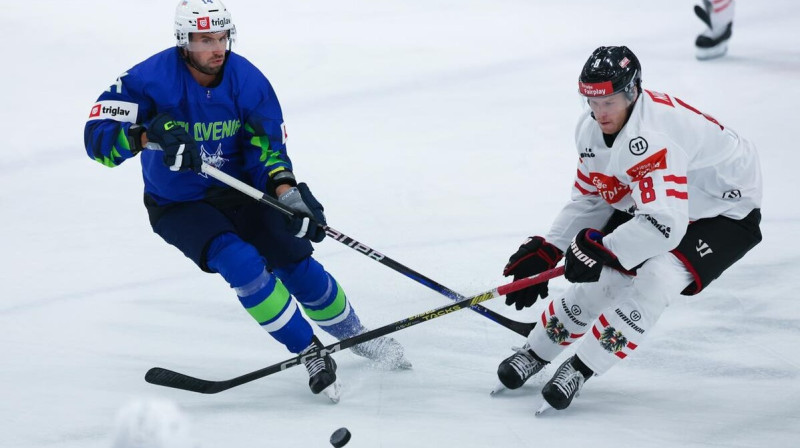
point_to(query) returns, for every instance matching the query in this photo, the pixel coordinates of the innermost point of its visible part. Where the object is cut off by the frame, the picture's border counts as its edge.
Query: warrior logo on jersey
(609, 187)
(612, 340)
(638, 146)
(216, 160)
(556, 331)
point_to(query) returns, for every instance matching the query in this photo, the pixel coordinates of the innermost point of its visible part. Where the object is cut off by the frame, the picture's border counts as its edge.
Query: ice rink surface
(439, 133)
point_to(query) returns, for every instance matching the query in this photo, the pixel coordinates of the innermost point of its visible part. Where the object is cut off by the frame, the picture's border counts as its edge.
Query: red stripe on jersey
(676, 179)
(551, 309)
(584, 178)
(584, 191)
(595, 332)
(544, 319)
(621, 355)
(659, 97)
(603, 320)
(677, 194)
(632, 346)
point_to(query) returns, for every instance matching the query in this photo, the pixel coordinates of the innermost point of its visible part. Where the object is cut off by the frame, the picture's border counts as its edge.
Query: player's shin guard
(614, 336)
(562, 323)
(321, 297)
(262, 295)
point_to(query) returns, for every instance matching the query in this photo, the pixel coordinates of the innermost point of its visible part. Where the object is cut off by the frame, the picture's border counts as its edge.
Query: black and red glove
(533, 257)
(586, 257)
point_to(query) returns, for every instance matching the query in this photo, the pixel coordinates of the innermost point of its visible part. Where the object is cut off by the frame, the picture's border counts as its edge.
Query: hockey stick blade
(169, 378)
(521, 328)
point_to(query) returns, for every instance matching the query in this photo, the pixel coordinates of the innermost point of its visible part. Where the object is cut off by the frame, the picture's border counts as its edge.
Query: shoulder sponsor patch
(115, 110)
(657, 161)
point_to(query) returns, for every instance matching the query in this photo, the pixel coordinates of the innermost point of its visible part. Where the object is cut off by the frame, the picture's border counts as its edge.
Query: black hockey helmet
(610, 70)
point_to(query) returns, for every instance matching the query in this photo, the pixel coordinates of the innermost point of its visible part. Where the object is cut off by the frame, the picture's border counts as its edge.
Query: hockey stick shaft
(168, 378)
(521, 328)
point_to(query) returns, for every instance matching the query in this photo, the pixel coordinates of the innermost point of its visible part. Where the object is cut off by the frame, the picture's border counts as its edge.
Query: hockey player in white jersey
(676, 195)
(718, 17)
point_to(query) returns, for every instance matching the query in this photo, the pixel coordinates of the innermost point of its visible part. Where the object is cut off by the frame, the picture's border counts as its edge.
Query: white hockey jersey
(669, 165)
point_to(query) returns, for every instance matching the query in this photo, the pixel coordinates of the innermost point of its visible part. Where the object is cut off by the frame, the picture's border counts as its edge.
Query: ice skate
(322, 372)
(384, 352)
(515, 370)
(713, 43)
(708, 47)
(563, 387)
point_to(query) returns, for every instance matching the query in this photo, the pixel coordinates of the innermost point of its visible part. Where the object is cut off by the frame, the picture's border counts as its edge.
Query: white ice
(440, 133)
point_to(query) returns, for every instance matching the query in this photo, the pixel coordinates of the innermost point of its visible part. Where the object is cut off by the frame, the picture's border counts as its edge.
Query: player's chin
(213, 68)
(609, 128)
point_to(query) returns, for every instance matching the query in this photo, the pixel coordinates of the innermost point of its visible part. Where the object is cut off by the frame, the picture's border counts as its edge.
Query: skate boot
(565, 385)
(713, 42)
(518, 368)
(384, 352)
(321, 372)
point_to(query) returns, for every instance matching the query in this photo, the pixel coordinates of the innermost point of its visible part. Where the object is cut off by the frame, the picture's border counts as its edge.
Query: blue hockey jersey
(238, 124)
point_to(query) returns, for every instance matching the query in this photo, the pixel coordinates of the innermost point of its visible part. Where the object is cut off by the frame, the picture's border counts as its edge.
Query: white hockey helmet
(202, 16)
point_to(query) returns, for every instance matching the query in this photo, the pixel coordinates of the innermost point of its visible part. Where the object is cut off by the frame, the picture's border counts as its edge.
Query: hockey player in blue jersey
(202, 103)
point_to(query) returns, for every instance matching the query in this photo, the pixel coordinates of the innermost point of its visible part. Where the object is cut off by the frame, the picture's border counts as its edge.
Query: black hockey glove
(308, 220)
(534, 256)
(586, 257)
(180, 149)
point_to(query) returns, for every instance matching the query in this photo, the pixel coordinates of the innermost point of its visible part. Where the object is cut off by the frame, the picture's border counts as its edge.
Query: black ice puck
(340, 437)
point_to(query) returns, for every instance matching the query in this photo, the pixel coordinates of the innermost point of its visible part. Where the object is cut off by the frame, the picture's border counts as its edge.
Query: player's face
(207, 51)
(610, 111)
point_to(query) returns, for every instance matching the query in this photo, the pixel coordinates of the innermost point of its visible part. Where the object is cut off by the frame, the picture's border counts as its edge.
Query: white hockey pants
(614, 313)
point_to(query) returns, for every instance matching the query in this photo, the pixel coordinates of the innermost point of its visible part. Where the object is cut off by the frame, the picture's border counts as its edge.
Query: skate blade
(333, 392)
(542, 406)
(704, 54)
(498, 389)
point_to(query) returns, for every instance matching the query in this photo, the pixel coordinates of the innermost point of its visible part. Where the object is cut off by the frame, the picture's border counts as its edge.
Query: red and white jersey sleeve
(669, 165)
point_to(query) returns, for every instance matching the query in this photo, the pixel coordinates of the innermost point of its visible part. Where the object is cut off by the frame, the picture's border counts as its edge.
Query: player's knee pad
(238, 262)
(308, 281)
(659, 281)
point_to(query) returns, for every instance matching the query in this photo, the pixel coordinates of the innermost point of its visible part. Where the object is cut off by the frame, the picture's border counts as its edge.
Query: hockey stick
(521, 328)
(168, 378)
